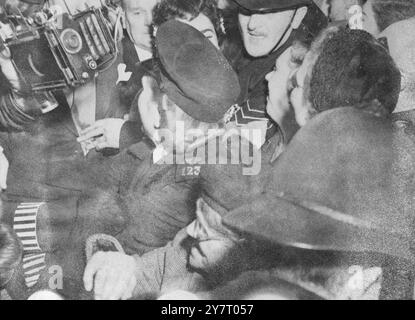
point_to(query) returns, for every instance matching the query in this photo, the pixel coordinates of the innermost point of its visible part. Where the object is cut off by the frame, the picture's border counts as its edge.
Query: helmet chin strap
(285, 33)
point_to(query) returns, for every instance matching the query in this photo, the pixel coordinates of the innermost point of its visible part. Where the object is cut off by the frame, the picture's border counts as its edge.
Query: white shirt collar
(143, 54)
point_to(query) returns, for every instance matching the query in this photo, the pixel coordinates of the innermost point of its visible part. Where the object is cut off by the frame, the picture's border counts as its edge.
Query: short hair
(167, 10)
(10, 254)
(388, 12)
(352, 68)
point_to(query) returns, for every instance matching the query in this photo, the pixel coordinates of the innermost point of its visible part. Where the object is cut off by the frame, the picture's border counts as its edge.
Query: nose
(149, 19)
(254, 22)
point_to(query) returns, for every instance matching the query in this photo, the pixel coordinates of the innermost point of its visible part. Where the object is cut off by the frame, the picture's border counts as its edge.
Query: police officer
(268, 28)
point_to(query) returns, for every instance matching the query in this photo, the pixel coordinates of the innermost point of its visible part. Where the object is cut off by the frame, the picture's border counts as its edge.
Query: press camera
(52, 52)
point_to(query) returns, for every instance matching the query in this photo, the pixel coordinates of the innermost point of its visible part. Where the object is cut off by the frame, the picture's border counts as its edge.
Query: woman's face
(205, 26)
(278, 98)
(286, 88)
(299, 96)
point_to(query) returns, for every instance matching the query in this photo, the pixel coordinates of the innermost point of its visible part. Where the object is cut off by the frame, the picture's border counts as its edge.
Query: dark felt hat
(339, 186)
(258, 5)
(195, 74)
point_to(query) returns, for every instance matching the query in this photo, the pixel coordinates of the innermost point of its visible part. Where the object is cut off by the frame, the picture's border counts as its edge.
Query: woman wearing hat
(340, 186)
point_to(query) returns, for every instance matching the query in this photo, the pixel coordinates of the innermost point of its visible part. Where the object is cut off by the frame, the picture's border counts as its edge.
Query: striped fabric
(33, 264)
(34, 261)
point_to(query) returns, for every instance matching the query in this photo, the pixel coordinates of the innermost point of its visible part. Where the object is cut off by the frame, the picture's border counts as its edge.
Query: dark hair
(10, 254)
(184, 9)
(388, 12)
(352, 69)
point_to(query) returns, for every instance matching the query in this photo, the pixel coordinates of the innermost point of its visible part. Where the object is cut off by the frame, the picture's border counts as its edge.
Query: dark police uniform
(254, 90)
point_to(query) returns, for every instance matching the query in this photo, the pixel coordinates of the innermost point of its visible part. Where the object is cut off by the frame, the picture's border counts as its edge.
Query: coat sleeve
(131, 133)
(12, 116)
(165, 270)
(157, 217)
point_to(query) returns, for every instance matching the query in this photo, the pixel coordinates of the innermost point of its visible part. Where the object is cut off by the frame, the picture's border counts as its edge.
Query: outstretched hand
(111, 275)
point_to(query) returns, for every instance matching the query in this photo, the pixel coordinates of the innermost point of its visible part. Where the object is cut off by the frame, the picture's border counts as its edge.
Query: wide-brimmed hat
(338, 186)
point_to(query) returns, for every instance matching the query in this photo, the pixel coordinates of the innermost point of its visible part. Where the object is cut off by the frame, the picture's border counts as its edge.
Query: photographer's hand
(103, 134)
(111, 275)
(4, 168)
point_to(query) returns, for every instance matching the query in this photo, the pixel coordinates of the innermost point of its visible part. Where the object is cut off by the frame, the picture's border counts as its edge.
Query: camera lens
(71, 40)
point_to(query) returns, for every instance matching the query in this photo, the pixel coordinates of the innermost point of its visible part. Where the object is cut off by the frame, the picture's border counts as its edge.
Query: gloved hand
(111, 275)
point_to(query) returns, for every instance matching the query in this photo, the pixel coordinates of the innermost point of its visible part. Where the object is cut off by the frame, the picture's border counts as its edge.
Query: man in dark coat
(137, 53)
(157, 198)
(46, 160)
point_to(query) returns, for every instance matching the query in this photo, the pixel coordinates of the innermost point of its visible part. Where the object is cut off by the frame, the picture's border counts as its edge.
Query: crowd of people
(234, 149)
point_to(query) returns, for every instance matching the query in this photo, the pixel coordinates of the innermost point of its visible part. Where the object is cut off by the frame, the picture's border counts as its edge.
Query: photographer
(138, 60)
(46, 161)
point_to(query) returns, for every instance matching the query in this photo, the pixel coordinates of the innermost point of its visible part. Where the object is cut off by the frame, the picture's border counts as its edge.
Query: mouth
(257, 35)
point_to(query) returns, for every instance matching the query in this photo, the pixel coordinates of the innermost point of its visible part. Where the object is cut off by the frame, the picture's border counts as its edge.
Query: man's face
(369, 20)
(139, 16)
(160, 117)
(262, 32)
(213, 241)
